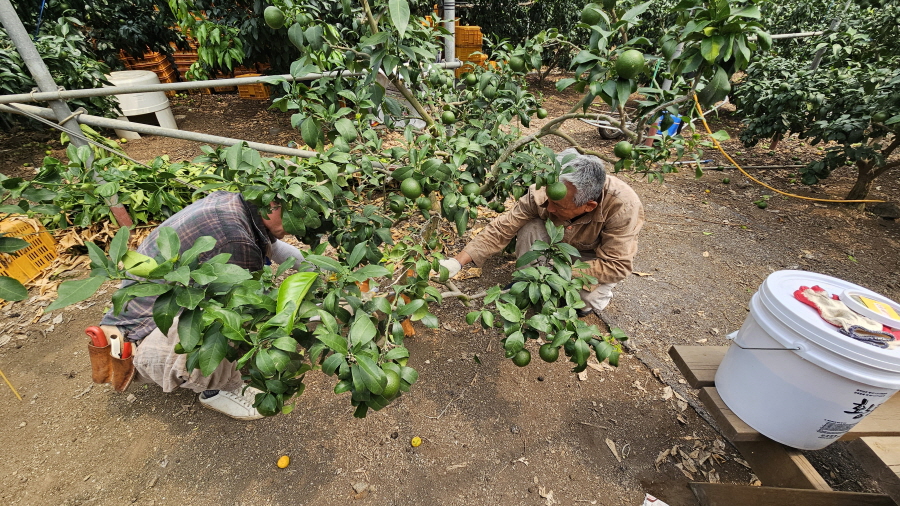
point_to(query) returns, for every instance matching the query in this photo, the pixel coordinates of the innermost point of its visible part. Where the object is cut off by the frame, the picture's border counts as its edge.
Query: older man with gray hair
(601, 214)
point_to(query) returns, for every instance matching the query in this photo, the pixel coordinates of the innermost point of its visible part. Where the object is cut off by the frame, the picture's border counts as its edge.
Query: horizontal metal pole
(191, 85)
(796, 35)
(141, 128)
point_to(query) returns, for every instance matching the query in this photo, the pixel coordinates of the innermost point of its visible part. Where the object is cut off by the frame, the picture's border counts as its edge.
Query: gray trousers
(535, 230)
(155, 361)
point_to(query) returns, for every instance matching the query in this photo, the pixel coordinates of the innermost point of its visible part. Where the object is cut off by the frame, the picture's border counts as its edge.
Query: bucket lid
(777, 295)
(132, 77)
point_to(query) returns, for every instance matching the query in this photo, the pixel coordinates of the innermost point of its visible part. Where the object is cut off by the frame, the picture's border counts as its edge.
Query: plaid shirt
(610, 231)
(237, 228)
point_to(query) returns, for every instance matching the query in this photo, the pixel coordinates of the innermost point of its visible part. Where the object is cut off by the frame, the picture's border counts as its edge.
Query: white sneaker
(236, 404)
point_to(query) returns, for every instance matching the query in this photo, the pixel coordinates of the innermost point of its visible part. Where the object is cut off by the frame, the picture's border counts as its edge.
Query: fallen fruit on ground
(557, 191)
(284, 461)
(726, 180)
(623, 149)
(629, 64)
(415, 441)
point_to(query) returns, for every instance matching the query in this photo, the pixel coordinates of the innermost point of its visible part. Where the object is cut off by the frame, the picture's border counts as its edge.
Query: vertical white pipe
(450, 25)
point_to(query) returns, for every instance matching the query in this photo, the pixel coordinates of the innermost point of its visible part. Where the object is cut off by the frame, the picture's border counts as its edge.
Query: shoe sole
(244, 418)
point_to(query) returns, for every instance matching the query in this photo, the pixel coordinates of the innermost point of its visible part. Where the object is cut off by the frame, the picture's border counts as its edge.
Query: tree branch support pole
(817, 59)
(25, 46)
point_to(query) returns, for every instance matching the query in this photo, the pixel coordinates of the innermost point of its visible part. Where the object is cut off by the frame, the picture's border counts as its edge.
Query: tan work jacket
(610, 231)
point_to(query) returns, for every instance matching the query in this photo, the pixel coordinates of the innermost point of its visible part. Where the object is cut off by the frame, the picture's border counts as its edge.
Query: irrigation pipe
(757, 181)
(11, 387)
(141, 128)
(192, 85)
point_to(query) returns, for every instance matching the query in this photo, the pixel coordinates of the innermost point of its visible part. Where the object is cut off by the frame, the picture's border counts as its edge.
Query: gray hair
(588, 177)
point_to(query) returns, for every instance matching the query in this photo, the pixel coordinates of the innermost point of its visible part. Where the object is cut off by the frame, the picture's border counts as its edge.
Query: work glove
(834, 311)
(452, 265)
(281, 251)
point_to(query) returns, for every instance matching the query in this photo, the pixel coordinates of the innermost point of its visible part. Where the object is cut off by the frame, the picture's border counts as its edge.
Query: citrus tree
(850, 102)
(460, 145)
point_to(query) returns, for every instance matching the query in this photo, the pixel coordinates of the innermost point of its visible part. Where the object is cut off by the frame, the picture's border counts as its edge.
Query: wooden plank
(777, 465)
(882, 422)
(698, 364)
(880, 458)
(720, 494)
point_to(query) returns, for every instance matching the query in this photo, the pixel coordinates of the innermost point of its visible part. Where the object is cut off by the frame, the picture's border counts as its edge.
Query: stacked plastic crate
(156, 63)
(468, 41)
(256, 91)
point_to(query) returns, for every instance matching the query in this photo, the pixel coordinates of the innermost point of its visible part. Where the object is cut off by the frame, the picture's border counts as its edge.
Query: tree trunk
(864, 178)
(775, 139)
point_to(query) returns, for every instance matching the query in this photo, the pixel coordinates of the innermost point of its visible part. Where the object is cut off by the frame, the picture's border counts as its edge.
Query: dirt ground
(493, 433)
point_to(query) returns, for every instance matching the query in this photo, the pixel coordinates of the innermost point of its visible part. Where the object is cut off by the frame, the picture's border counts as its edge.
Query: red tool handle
(126, 349)
(98, 338)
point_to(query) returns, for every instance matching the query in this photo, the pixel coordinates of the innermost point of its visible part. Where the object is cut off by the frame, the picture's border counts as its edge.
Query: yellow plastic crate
(468, 36)
(25, 264)
(257, 91)
(467, 55)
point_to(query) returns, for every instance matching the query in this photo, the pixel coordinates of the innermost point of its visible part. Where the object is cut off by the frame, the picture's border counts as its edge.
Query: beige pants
(156, 362)
(535, 230)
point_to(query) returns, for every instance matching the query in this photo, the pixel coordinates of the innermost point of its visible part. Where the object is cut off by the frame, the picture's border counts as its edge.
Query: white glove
(281, 251)
(452, 265)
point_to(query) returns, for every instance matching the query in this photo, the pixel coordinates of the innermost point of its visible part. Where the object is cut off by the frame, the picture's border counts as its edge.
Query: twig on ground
(594, 425)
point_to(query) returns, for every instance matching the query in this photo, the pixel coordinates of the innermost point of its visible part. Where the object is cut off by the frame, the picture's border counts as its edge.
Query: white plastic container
(136, 104)
(809, 384)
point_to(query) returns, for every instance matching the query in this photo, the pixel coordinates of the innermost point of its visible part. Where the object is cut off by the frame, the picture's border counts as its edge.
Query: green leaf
(180, 275)
(411, 307)
(165, 308)
(265, 363)
(580, 353)
(362, 330)
(189, 296)
(399, 10)
(12, 289)
(119, 245)
(233, 156)
(409, 375)
(168, 243)
(74, 291)
(332, 363)
(618, 334)
(334, 341)
(514, 342)
(472, 317)
(395, 353)
(200, 246)
(509, 312)
(189, 329)
(310, 132)
(750, 12)
(212, 351)
(10, 244)
(294, 289)
(356, 256)
(711, 46)
(329, 264)
(721, 136)
(373, 377)
(345, 127)
(603, 350)
(527, 258)
(562, 84)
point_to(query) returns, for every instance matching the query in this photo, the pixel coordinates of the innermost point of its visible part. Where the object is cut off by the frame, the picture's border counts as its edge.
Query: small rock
(514, 429)
(360, 487)
(131, 398)
(540, 378)
(23, 424)
(395, 435)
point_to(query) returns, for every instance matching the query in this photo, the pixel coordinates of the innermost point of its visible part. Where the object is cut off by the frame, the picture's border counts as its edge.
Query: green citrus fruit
(274, 17)
(590, 15)
(138, 264)
(522, 358)
(622, 149)
(471, 189)
(471, 79)
(410, 188)
(397, 206)
(448, 118)
(490, 92)
(557, 191)
(609, 4)
(392, 386)
(726, 181)
(629, 64)
(762, 204)
(548, 353)
(542, 113)
(880, 117)
(423, 203)
(517, 63)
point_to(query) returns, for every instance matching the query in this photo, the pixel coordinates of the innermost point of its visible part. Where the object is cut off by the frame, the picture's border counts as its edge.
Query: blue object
(672, 130)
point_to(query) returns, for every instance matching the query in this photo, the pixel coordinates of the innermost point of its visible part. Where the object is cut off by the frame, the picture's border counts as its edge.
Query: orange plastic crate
(26, 264)
(258, 91)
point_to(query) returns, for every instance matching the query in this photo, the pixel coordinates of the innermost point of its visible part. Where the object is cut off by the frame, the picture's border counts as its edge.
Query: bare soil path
(493, 433)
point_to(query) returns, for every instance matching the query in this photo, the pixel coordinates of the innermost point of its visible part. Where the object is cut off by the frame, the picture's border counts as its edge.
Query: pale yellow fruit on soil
(283, 461)
(415, 442)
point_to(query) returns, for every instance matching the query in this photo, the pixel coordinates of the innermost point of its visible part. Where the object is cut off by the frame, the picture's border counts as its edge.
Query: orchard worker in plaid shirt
(240, 229)
(601, 214)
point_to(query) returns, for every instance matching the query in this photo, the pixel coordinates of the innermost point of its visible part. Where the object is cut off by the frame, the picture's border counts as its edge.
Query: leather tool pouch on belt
(106, 368)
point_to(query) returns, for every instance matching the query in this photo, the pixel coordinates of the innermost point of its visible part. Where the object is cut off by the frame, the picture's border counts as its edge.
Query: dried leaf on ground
(667, 393)
(662, 457)
(612, 447)
(548, 496)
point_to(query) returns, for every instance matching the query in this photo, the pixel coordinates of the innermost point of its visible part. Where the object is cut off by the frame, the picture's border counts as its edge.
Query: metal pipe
(450, 25)
(817, 59)
(149, 88)
(141, 128)
(796, 35)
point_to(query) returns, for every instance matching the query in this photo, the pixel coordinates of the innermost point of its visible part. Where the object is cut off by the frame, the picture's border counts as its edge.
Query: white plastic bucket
(137, 104)
(809, 384)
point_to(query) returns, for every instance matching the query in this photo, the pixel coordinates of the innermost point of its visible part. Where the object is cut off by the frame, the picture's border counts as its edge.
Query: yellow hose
(719, 147)
(10, 385)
